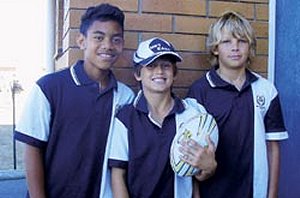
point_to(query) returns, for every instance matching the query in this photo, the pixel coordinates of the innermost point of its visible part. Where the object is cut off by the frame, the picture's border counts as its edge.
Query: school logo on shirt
(260, 102)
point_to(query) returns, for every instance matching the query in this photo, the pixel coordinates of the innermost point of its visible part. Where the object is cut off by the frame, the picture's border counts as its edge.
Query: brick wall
(183, 22)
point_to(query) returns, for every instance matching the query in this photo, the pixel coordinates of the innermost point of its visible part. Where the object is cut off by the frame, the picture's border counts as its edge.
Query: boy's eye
(117, 40)
(163, 66)
(151, 66)
(243, 41)
(99, 38)
(166, 66)
(225, 41)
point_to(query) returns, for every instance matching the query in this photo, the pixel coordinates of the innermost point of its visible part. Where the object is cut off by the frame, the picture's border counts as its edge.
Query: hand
(200, 157)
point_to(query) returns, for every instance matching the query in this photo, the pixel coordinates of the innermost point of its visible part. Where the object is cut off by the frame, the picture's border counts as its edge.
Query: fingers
(193, 145)
(187, 151)
(184, 157)
(211, 145)
(189, 147)
(190, 159)
(191, 152)
(186, 154)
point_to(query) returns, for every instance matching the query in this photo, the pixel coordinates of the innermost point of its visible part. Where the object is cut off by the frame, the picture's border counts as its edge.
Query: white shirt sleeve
(35, 118)
(119, 143)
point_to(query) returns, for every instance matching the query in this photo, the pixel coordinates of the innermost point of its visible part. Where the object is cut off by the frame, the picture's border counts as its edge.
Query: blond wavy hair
(235, 24)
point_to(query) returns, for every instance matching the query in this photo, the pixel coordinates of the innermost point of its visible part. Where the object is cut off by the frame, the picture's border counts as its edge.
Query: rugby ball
(196, 128)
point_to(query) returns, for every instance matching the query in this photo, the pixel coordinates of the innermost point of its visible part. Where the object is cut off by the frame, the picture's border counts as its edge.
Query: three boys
(239, 99)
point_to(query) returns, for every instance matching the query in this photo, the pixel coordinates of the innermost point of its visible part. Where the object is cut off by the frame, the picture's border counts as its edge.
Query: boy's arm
(274, 160)
(196, 191)
(33, 158)
(118, 180)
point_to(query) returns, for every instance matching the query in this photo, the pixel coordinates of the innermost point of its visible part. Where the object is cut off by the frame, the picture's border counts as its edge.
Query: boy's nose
(235, 45)
(158, 69)
(107, 43)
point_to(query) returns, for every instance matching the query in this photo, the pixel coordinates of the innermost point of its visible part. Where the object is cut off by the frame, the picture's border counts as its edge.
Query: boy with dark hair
(247, 110)
(144, 130)
(66, 124)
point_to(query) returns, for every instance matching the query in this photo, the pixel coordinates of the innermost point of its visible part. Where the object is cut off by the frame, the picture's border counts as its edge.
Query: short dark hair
(103, 12)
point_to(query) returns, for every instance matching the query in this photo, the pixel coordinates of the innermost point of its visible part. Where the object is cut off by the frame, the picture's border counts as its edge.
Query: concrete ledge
(12, 174)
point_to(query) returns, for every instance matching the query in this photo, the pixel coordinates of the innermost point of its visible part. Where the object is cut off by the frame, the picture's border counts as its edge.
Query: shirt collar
(81, 78)
(215, 80)
(140, 103)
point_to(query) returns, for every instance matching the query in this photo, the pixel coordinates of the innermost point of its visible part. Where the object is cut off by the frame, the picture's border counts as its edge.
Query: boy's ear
(137, 77)
(81, 41)
(215, 51)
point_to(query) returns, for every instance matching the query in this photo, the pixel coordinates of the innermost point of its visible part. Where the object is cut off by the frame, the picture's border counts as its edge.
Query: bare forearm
(34, 172)
(274, 160)
(119, 187)
(196, 190)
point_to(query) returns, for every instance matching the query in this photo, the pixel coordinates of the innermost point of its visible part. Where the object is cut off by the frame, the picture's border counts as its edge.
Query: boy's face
(232, 52)
(102, 44)
(157, 77)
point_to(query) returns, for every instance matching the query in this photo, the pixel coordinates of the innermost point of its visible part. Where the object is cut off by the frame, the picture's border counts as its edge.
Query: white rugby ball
(196, 128)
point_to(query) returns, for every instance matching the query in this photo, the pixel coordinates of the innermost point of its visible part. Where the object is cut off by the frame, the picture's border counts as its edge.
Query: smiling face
(102, 45)
(232, 52)
(158, 76)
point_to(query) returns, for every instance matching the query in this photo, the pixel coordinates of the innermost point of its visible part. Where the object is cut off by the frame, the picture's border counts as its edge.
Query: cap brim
(149, 60)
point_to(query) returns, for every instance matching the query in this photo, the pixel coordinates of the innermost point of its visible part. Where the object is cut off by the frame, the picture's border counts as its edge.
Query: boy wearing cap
(144, 130)
(67, 122)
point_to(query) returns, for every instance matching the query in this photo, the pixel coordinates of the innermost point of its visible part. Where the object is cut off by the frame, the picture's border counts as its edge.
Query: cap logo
(151, 49)
(158, 45)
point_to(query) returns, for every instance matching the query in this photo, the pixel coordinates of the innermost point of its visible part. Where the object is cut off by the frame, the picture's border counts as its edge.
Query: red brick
(148, 22)
(262, 12)
(70, 39)
(261, 29)
(128, 5)
(262, 47)
(131, 40)
(260, 64)
(188, 7)
(182, 42)
(194, 61)
(72, 20)
(218, 7)
(189, 24)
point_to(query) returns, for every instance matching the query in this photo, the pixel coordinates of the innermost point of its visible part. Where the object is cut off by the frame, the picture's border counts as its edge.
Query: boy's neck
(98, 75)
(236, 77)
(159, 106)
